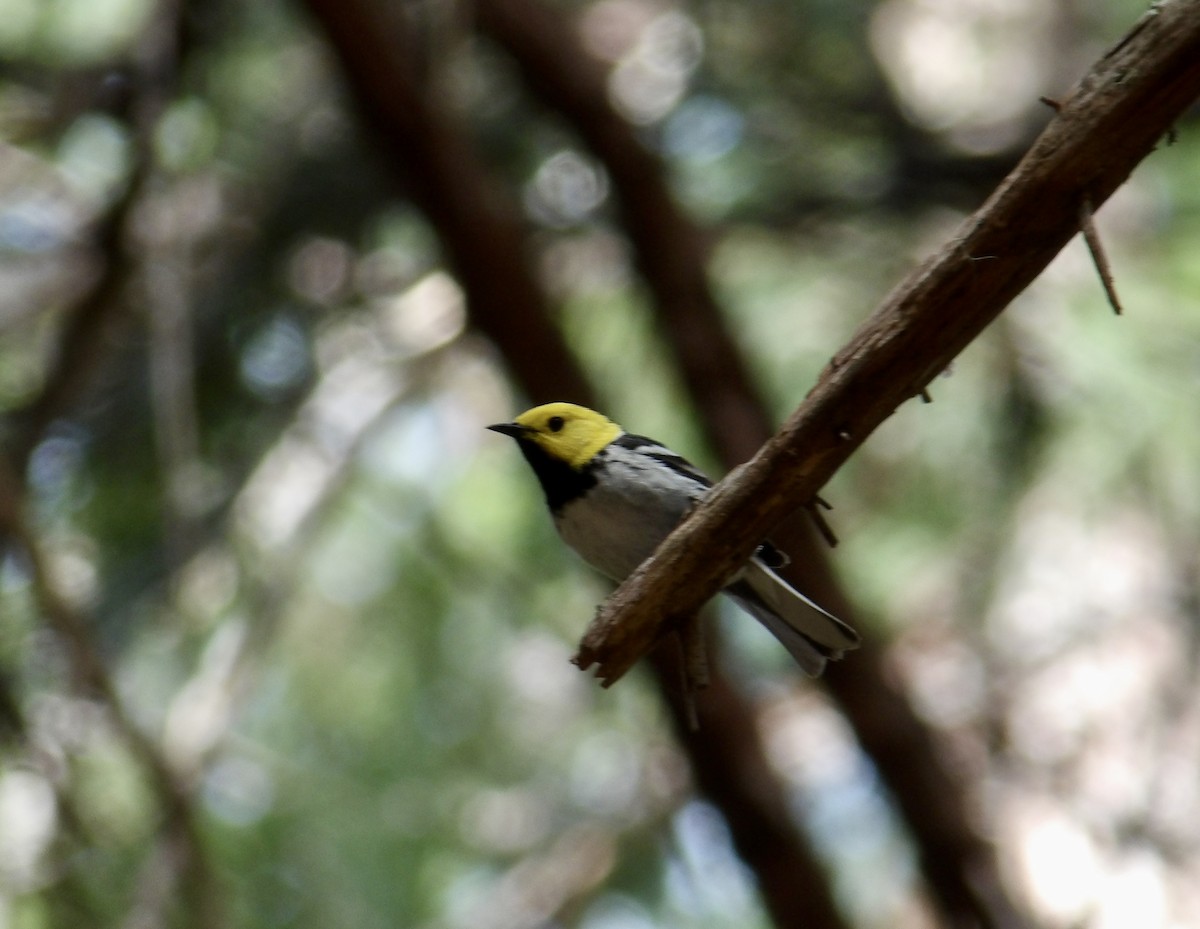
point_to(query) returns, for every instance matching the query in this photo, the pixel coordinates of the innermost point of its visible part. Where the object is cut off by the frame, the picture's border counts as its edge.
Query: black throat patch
(560, 482)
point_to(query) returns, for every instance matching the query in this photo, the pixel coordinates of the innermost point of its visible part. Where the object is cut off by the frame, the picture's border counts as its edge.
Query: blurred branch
(480, 229)
(671, 251)
(1115, 117)
(551, 372)
(139, 97)
(85, 341)
(732, 770)
(1091, 236)
(82, 348)
(269, 591)
(164, 248)
(172, 385)
(959, 864)
(73, 630)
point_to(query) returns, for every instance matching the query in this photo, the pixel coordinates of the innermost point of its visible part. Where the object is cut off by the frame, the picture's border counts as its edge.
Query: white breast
(619, 522)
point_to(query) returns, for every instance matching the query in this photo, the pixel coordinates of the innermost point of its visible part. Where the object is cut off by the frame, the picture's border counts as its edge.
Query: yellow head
(560, 440)
(564, 432)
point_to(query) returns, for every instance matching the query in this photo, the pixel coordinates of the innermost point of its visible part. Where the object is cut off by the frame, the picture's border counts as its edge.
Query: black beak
(510, 429)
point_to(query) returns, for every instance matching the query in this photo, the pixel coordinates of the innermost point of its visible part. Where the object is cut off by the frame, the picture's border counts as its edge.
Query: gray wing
(767, 553)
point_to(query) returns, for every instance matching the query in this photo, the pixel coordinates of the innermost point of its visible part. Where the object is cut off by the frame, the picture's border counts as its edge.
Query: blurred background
(285, 633)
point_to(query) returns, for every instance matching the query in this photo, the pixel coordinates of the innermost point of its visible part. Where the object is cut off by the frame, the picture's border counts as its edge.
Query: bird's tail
(812, 635)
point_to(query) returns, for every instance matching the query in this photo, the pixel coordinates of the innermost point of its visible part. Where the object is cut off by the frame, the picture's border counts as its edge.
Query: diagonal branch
(1113, 119)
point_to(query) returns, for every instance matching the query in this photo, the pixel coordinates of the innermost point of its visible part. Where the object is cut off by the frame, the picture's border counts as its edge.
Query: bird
(614, 496)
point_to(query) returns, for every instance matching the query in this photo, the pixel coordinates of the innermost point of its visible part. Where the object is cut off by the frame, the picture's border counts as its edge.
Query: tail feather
(812, 635)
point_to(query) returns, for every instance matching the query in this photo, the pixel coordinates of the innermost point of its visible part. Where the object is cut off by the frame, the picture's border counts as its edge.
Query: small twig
(82, 344)
(690, 659)
(687, 688)
(1087, 224)
(813, 508)
(695, 652)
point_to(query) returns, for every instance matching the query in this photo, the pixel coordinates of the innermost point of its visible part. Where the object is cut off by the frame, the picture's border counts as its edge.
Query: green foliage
(333, 603)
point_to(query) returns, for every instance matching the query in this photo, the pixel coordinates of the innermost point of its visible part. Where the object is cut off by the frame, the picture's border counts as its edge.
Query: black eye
(554, 423)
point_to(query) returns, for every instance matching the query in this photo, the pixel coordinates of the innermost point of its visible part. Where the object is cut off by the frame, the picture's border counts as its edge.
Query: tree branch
(1113, 119)
(1087, 225)
(732, 770)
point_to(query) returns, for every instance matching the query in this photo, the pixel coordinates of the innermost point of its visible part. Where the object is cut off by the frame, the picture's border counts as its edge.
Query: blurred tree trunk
(957, 862)
(505, 302)
(731, 769)
(480, 230)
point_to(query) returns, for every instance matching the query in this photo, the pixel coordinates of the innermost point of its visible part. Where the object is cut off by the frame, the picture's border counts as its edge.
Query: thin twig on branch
(1111, 121)
(1087, 225)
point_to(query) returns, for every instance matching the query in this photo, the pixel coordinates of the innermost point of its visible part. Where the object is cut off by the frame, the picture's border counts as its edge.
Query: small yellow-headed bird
(615, 496)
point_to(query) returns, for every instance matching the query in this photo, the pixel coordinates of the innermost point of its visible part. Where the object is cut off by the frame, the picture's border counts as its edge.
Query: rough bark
(1112, 120)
